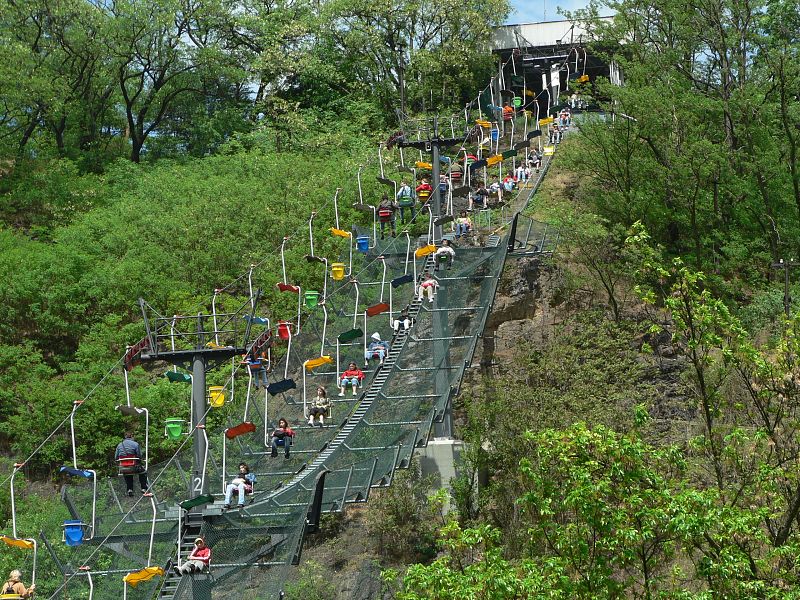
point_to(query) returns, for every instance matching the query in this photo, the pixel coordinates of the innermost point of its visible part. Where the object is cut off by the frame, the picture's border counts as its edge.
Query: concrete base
(439, 459)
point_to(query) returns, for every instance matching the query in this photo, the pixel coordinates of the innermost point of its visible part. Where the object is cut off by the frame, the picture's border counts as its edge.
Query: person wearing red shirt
(424, 191)
(354, 376)
(198, 560)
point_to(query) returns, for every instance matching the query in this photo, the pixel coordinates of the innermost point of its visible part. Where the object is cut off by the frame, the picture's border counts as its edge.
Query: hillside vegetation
(642, 443)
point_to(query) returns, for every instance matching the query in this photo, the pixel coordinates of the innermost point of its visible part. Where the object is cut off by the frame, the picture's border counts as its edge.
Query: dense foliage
(647, 445)
(93, 81)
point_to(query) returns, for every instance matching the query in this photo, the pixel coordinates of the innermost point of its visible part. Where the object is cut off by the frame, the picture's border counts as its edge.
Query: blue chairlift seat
(76, 472)
(256, 320)
(73, 532)
(280, 387)
(398, 281)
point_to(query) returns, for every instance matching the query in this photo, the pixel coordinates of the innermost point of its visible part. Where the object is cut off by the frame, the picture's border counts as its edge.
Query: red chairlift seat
(128, 465)
(240, 429)
(284, 330)
(288, 287)
(377, 309)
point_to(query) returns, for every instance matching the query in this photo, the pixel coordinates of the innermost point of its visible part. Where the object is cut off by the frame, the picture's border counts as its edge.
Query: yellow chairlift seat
(215, 346)
(583, 79)
(546, 121)
(146, 574)
(216, 396)
(483, 123)
(424, 251)
(17, 543)
(313, 363)
(423, 165)
(549, 150)
(337, 271)
(341, 232)
(493, 160)
(424, 195)
(529, 93)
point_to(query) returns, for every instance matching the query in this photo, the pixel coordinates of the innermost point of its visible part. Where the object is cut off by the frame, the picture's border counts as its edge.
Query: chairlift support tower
(203, 354)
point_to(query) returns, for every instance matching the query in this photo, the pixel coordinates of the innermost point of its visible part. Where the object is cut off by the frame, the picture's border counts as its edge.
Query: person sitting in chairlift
(444, 183)
(508, 183)
(377, 347)
(321, 407)
(130, 449)
(354, 376)
(480, 196)
(282, 433)
(386, 211)
(463, 224)
(445, 254)
(428, 287)
(257, 365)
(14, 585)
(424, 191)
(242, 484)
(508, 112)
(405, 198)
(198, 559)
(402, 321)
(495, 189)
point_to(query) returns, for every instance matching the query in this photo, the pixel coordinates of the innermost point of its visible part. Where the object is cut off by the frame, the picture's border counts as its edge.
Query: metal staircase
(173, 583)
(376, 385)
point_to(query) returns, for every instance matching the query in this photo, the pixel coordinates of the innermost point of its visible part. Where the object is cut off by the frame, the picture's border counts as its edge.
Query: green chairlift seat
(197, 501)
(349, 336)
(178, 377)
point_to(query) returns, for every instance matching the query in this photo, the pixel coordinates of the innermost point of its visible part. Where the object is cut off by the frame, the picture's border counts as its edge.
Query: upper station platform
(546, 34)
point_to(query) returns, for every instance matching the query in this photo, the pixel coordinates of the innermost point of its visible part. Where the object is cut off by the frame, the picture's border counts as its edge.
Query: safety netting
(354, 286)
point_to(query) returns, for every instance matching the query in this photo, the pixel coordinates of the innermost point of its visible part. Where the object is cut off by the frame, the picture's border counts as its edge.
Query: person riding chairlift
(258, 368)
(15, 588)
(463, 224)
(405, 198)
(281, 433)
(403, 321)
(377, 348)
(445, 253)
(354, 376)
(242, 484)
(198, 559)
(129, 448)
(321, 407)
(386, 210)
(424, 189)
(508, 112)
(428, 287)
(481, 196)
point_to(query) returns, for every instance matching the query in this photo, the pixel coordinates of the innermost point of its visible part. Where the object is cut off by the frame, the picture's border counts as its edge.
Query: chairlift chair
(217, 396)
(174, 428)
(285, 384)
(347, 336)
(231, 433)
(74, 530)
(22, 544)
